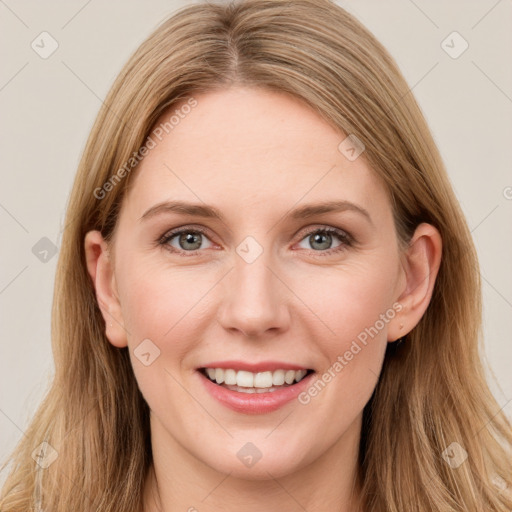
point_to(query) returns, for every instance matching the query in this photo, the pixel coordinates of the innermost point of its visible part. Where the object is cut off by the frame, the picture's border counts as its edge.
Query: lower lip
(255, 403)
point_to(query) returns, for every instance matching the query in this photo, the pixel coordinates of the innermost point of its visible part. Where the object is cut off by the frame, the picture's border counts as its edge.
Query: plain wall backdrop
(49, 101)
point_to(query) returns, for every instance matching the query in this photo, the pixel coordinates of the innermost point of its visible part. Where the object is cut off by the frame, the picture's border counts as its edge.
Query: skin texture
(255, 155)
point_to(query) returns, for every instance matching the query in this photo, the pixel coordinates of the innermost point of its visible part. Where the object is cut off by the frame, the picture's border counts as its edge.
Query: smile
(249, 382)
(254, 392)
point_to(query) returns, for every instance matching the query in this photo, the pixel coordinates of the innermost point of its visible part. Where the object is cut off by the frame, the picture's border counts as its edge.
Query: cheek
(162, 308)
(164, 304)
(335, 304)
(152, 303)
(348, 302)
(354, 305)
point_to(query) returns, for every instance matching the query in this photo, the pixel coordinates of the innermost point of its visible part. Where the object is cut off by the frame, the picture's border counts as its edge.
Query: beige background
(48, 107)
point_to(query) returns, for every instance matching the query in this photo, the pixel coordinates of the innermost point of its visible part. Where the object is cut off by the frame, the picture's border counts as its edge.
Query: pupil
(317, 238)
(189, 238)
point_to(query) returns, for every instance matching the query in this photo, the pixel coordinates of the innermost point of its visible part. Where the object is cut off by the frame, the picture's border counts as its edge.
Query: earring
(401, 340)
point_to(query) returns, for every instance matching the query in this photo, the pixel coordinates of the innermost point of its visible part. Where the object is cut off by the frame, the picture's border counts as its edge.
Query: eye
(185, 240)
(321, 240)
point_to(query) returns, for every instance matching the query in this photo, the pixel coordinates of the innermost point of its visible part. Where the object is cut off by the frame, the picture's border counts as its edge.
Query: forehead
(244, 147)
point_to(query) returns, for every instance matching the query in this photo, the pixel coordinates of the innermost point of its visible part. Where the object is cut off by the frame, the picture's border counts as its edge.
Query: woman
(316, 346)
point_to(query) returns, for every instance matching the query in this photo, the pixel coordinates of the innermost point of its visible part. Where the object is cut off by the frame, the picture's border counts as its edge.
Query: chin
(263, 460)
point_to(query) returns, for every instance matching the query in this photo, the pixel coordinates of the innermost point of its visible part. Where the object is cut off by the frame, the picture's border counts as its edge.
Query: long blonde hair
(432, 391)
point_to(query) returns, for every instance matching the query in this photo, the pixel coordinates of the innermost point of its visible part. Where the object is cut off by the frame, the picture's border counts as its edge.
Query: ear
(100, 268)
(420, 265)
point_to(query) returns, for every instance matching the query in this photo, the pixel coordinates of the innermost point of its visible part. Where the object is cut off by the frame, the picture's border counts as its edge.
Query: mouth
(243, 381)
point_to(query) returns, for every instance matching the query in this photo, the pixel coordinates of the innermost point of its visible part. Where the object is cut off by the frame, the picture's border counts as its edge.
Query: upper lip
(254, 367)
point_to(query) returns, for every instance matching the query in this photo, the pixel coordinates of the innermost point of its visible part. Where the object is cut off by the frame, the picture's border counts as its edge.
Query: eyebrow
(206, 211)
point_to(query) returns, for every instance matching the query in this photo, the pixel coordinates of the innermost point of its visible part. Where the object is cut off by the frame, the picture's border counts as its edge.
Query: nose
(255, 299)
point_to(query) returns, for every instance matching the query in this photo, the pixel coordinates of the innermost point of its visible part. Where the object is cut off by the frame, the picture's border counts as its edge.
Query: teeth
(300, 375)
(219, 375)
(278, 378)
(244, 379)
(263, 380)
(289, 376)
(254, 382)
(229, 377)
(251, 390)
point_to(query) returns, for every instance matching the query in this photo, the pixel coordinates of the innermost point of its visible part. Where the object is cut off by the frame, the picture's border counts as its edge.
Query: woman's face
(256, 288)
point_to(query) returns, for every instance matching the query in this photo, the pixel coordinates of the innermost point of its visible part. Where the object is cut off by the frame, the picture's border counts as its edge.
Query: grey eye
(188, 240)
(320, 240)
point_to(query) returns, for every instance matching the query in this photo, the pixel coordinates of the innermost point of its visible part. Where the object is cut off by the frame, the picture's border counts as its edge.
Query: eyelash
(345, 239)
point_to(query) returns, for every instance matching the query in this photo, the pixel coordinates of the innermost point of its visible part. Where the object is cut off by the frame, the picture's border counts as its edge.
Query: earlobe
(421, 262)
(100, 268)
